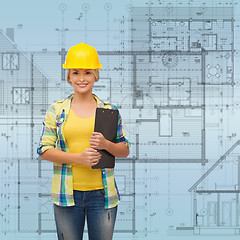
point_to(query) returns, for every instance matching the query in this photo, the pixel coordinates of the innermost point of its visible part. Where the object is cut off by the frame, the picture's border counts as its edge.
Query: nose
(81, 76)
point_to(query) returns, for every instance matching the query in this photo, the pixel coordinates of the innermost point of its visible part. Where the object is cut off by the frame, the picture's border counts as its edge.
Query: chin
(82, 90)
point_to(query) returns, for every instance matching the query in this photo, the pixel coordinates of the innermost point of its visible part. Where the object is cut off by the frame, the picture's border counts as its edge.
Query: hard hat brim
(87, 67)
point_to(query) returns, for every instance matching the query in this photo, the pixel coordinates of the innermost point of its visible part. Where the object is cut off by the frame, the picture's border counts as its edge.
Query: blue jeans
(100, 221)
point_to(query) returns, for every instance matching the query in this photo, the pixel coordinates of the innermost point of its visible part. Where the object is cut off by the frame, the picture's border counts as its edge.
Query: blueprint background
(155, 197)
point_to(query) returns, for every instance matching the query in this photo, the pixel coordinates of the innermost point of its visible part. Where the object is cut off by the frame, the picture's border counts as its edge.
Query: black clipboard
(106, 122)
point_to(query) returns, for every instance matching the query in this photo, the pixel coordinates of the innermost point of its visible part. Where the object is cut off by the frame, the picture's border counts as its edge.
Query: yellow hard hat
(82, 55)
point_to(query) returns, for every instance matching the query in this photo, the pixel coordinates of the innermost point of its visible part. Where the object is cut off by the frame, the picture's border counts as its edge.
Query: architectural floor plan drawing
(182, 64)
(175, 77)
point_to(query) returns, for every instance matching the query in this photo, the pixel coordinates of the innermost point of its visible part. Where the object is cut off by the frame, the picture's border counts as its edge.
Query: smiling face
(82, 80)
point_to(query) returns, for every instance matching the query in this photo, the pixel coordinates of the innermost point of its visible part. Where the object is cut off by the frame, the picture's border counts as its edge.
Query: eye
(88, 72)
(75, 73)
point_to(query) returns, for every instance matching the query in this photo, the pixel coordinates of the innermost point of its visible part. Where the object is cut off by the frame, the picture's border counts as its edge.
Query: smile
(82, 85)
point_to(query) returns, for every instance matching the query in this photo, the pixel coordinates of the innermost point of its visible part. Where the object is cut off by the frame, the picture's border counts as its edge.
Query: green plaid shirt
(52, 136)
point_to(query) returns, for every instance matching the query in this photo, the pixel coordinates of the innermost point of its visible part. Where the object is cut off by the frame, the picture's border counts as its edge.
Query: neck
(83, 98)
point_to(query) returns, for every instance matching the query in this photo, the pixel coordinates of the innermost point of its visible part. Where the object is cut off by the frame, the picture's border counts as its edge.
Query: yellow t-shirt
(77, 131)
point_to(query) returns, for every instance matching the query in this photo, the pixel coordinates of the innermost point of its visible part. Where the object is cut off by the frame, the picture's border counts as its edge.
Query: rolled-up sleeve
(49, 133)
(121, 135)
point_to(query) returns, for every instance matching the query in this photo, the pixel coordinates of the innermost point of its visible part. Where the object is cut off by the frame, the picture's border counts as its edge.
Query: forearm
(119, 150)
(58, 156)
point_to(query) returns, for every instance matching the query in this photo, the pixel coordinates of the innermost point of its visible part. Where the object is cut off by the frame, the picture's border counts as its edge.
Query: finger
(95, 155)
(95, 158)
(92, 150)
(93, 145)
(95, 141)
(96, 133)
(94, 138)
(94, 164)
(95, 161)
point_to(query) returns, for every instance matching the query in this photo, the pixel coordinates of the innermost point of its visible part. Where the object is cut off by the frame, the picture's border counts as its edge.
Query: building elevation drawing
(173, 70)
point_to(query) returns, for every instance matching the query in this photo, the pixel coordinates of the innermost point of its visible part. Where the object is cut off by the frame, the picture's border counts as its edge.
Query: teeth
(82, 85)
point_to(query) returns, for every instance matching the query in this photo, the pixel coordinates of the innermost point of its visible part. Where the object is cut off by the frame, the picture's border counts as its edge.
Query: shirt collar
(100, 102)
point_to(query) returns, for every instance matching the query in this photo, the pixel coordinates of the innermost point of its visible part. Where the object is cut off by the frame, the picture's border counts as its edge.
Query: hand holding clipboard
(106, 122)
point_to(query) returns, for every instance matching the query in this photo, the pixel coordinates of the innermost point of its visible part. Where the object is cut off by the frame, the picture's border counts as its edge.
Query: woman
(78, 191)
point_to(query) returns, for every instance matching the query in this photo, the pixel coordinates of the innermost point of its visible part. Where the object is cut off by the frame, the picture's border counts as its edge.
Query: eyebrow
(74, 69)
